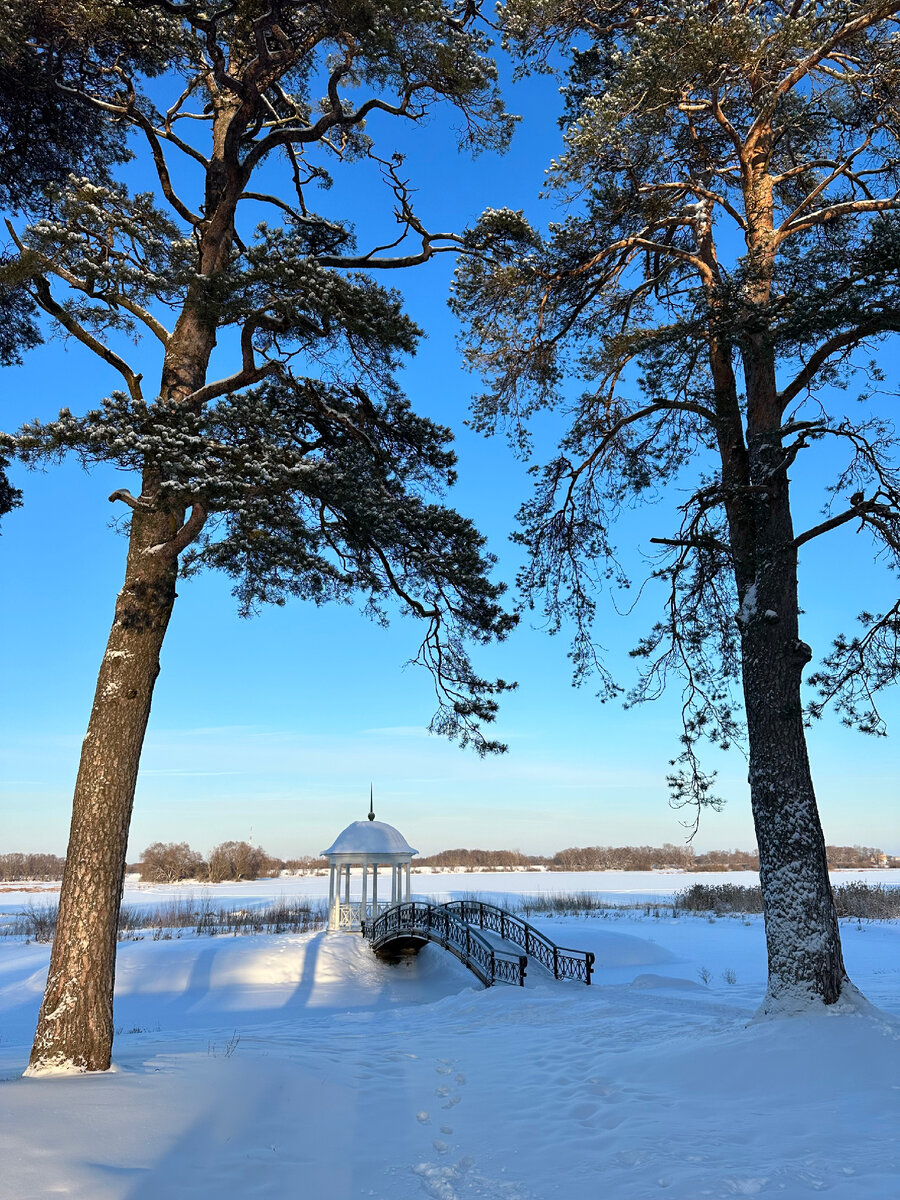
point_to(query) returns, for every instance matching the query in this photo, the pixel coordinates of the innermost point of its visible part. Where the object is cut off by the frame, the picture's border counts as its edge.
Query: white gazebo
(369, 845)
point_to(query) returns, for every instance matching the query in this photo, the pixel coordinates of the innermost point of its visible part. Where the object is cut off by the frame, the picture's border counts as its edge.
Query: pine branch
(112, 298)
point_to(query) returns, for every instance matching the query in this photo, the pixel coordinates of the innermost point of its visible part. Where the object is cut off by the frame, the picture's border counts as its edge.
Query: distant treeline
(171, 862)
(598, 858)
(30, 866)
(641, 858)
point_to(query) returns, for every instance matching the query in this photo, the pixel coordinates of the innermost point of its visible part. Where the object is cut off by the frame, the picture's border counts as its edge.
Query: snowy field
(298, 1066)
(626, 887)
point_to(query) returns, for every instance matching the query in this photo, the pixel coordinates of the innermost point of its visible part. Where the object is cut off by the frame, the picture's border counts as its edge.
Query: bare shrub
(557, 904)
(720, 898)
(239, 860)
(305, 865)
(39, 921)
(866, 901)
(168, 862)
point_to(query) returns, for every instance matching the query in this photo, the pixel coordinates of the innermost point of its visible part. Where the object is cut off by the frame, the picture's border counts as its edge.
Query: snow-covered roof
(370, 837)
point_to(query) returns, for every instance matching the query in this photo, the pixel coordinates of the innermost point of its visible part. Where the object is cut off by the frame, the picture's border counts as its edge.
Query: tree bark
(806, 965)
(75, 1025)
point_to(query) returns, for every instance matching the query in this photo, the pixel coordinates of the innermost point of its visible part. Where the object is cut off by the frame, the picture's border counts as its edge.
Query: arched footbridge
(460, 927)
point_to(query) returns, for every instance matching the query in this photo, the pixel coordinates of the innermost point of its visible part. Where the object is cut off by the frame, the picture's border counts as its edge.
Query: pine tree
(732, 241)
(302, 473)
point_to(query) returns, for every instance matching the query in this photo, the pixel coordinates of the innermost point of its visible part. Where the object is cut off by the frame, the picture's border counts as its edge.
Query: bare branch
(135, 502)
(823, 183)
(861, 509)
(842, 341)
(407, 260)
(189, 530)
(249, 373)
(697, 543)
(185, 535)
(644, 243)
(159, 158)
(328, 121)
(845, 208)
(46, 301)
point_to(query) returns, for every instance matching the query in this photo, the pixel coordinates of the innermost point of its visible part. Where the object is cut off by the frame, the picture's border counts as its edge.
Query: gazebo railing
(564, 962)
(438, 923)
(352, 915)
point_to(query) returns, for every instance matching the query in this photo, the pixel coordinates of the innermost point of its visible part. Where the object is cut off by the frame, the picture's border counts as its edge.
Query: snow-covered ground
(299, 1066)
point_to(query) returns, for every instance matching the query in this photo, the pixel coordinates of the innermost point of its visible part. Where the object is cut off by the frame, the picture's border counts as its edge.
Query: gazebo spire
(371, 805)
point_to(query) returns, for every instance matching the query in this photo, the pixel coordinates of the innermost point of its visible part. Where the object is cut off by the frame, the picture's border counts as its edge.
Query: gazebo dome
(368, 838)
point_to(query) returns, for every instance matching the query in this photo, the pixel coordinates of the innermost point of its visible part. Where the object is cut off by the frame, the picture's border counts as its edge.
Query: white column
(347, 884)
(408, 882)
(332, 871)
(374, 890)
(393, 883)
(365, 891)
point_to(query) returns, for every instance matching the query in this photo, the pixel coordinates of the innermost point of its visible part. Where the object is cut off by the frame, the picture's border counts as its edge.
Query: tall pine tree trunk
(75, 1024)
(75, 1027)
(806, 965)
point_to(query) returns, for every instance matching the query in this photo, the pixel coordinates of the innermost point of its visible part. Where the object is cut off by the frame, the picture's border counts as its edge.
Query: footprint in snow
(437, 1181)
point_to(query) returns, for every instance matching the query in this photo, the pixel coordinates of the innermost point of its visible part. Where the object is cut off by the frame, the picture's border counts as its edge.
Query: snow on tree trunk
(802, 937)
(806, 966)
(74, 1030)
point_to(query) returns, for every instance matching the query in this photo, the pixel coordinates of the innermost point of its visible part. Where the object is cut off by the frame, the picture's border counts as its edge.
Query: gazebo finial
(371, 805)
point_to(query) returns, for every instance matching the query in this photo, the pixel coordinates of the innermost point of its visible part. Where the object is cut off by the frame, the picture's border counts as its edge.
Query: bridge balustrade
(564, 962)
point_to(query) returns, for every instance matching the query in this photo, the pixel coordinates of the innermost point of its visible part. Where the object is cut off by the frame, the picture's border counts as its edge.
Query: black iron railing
(438, 923)
(562, 961)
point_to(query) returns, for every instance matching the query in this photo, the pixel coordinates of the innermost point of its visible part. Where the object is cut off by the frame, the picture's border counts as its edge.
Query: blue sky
(278, 724)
